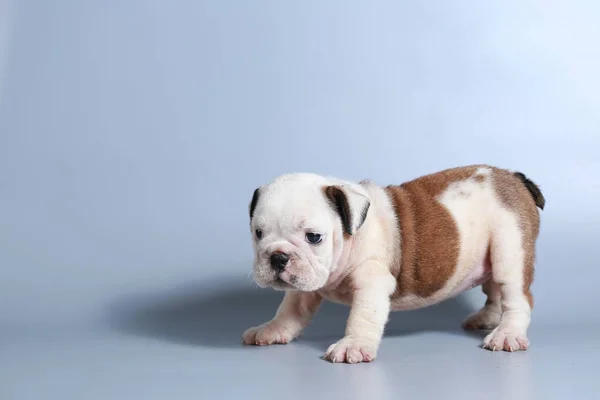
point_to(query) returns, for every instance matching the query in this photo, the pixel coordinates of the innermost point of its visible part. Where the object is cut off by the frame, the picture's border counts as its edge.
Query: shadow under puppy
(399, 247)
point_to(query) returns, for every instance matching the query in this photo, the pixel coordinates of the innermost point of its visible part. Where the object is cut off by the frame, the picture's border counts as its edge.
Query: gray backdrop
(133, 133)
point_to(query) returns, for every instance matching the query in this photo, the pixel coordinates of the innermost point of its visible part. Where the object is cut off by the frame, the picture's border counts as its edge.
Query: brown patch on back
(516, 196)
(429, 237)
(434, 184)
(478, 178)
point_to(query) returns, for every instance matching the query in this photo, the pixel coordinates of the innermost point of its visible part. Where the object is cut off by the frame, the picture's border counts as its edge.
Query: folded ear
(253, 202)
(351, 204)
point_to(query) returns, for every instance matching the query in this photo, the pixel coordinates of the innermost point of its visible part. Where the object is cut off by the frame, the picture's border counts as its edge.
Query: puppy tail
(534, 189)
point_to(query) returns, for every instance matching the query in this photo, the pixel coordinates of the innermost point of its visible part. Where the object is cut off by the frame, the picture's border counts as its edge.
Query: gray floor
(187, 345)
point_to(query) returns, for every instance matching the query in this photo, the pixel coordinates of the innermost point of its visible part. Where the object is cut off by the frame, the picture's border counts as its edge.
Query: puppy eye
(258, 234)
(314, 238)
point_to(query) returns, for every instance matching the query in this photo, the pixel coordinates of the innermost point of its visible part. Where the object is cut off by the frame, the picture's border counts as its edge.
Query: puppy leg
(369, 313)
(512, 270)
(489, 316)
(293, 315)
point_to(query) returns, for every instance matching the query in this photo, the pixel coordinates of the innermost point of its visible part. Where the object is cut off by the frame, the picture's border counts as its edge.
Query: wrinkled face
(294, 235)
(298, 223)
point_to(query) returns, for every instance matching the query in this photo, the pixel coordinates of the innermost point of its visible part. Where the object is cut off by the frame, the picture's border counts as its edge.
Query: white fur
(370, 308)
(292, 316)
(293, 203)
(488, 317)
(508, 263)
(287, 208)
(484, 171)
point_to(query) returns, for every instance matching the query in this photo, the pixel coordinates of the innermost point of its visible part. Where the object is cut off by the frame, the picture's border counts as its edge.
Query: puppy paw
(352, 350)
(506, 339)
(482, 319)
(267, 334)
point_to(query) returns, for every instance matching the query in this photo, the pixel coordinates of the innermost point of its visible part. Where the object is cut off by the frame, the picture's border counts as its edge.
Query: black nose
(279, 261)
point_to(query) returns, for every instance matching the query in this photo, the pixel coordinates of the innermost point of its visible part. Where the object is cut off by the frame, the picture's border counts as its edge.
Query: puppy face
(299, 223)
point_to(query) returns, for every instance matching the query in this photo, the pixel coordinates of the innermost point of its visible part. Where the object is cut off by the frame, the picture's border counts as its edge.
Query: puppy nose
(279, 261)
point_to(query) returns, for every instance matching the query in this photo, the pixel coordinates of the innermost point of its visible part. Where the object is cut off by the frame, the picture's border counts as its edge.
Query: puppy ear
(254, 201)
(351, 205)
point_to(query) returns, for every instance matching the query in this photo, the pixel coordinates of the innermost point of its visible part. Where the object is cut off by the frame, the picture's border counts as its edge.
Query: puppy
(399, 247)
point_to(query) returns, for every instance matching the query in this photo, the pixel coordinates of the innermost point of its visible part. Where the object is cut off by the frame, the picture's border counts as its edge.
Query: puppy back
(429, 237)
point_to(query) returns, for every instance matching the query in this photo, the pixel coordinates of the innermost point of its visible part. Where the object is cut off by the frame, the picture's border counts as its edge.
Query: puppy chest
(342, 294)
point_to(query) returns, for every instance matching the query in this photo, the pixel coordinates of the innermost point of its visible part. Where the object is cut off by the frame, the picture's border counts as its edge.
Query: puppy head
(299, 223)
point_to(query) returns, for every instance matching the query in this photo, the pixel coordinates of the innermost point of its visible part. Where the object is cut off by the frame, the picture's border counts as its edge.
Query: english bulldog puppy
(398, 247)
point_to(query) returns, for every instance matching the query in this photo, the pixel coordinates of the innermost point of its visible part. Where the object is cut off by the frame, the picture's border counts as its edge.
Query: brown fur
(424, 264)
(423, 267)
(517, 196)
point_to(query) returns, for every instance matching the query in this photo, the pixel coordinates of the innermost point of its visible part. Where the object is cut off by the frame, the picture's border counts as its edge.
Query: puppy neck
(344, 264)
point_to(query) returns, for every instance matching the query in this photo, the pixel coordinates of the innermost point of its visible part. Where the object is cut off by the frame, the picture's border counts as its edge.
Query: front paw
(267, 334)
(352, 350)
